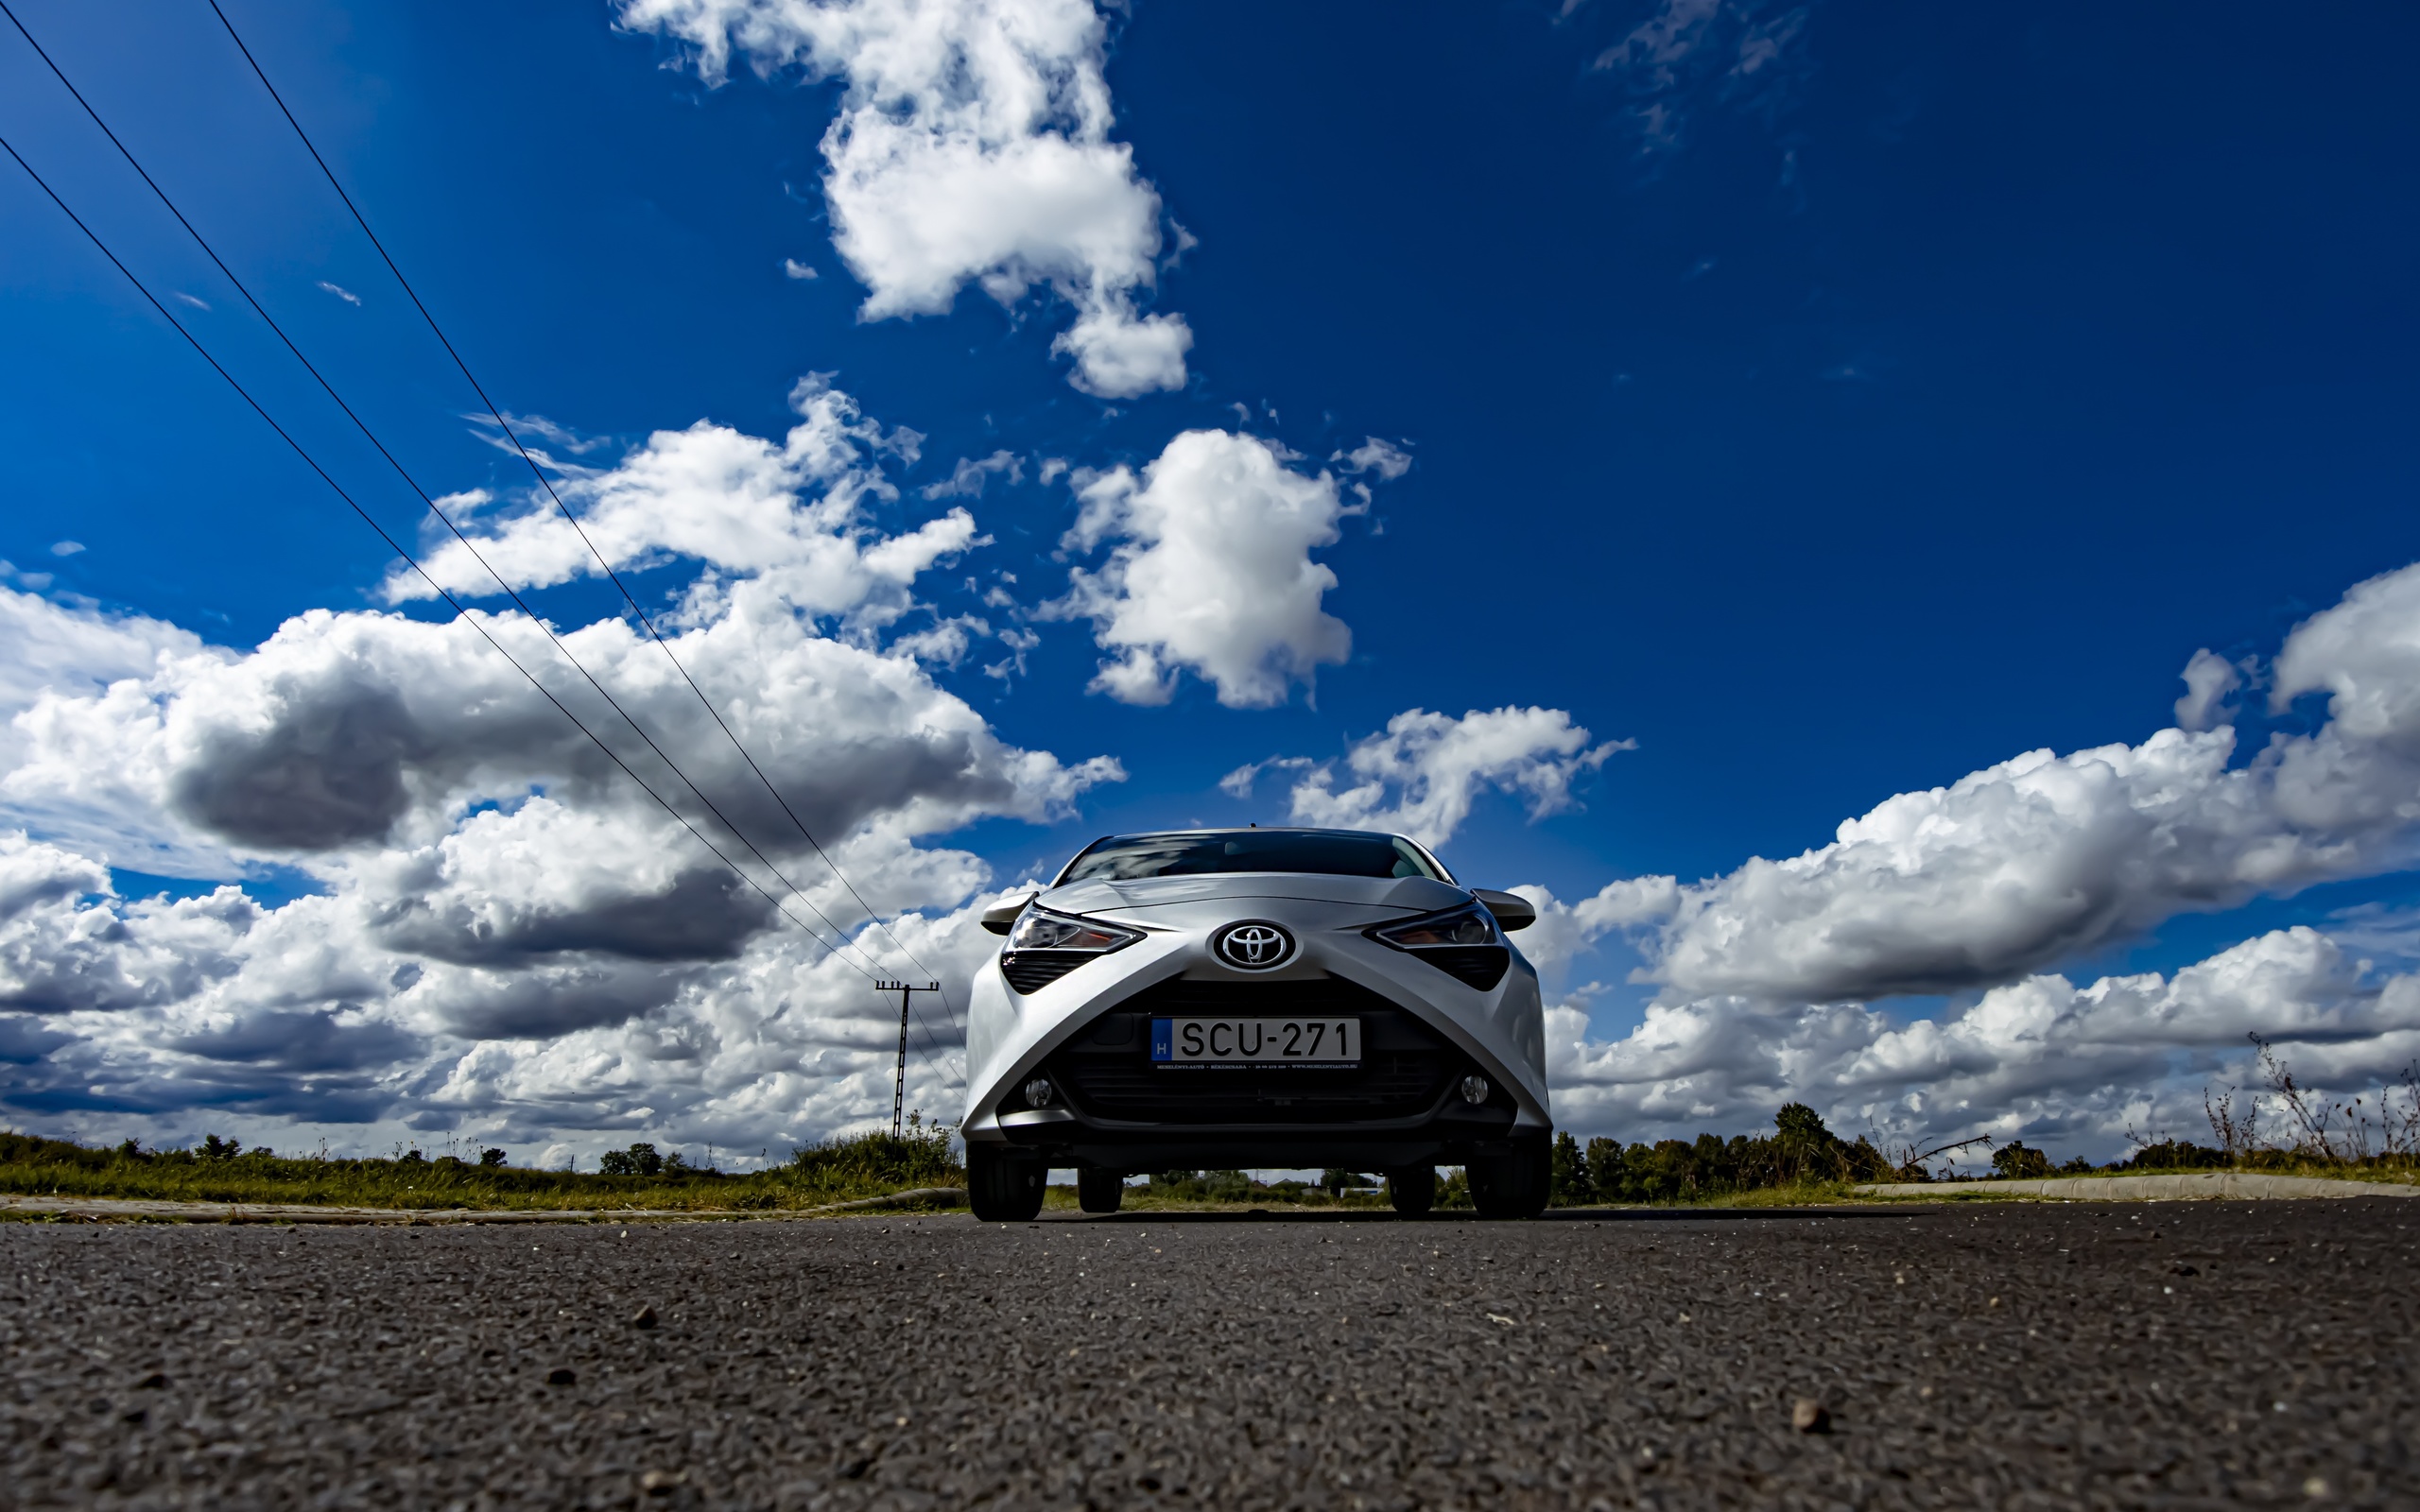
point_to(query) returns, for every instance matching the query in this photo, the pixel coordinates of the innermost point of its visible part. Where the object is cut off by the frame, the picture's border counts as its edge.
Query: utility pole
(899, 1077)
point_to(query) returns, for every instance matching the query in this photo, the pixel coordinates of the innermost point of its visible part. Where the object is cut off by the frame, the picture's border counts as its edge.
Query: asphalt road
(2005, 1356)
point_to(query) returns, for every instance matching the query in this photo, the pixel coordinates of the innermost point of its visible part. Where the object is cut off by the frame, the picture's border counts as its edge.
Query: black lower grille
(1032, 970)
(1480, 966)
(1107, 1071)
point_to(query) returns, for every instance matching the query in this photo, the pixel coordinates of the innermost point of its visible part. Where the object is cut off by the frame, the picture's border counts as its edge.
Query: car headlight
(1462, 942)
(1470, 924)
(1043, 947)
(1039, 929)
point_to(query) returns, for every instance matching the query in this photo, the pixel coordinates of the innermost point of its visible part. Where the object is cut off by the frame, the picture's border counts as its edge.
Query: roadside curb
(2199, 1185)
(102, 1208)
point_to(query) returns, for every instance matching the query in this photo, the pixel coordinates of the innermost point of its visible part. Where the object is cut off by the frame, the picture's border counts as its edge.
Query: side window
(1410, 862)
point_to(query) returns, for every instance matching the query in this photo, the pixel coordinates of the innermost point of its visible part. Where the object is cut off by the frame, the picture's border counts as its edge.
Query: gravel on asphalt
(2006, 1356)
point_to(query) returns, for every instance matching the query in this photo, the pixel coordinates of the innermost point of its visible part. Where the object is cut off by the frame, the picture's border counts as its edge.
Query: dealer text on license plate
(1256, 1042)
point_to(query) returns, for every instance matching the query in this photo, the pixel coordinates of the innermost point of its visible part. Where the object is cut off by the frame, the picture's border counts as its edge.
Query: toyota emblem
(1253, 945)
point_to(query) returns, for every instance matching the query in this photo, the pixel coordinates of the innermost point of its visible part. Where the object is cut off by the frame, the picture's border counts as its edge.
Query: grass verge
(834, 1171)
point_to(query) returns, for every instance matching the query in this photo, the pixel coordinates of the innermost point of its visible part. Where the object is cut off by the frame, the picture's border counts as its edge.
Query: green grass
(2400, 1173)
(834, 1171)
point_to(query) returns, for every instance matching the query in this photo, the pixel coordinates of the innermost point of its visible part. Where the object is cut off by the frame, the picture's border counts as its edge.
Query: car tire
(1513, 1184)
(1100, 1191)
(1002, 1187)
(1411, 1189)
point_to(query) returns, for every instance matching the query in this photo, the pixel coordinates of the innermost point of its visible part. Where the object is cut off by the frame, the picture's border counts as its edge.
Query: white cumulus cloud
(1772, 977)
(971, 144)
(2072, 1068)
(2208, 680)
(2043, 857)
(1422, 774)
(500, 933)
(966, 480)
(786, 515)
(1212, 571)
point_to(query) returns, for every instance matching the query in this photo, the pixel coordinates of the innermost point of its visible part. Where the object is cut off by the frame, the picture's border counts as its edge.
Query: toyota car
(1247, 998)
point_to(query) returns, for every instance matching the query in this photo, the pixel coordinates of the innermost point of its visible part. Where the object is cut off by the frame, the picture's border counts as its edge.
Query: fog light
(1473, 1089)
(1037, 1091)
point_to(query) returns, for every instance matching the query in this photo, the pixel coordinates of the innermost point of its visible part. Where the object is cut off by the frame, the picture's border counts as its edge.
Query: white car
(1257, 998)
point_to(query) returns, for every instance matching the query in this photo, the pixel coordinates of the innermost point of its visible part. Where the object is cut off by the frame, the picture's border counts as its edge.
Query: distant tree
(214, 1148)
(490, 1157)
(1604, 1158)
(2175, 1155)
(1568, 1185)
(1334, 1182)
(1804, 1147)
(639, 1160)
(1716, 1168)
(413, 1157)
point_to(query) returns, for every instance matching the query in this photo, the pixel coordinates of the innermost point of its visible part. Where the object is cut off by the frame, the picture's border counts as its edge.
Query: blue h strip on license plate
(1163, 1040)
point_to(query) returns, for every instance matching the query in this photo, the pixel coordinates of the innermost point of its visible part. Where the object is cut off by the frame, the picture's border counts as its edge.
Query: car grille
(1107, 1071)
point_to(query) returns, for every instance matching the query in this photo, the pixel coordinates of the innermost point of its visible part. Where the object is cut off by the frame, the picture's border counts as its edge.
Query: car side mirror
(1510, 909)
(1001, 918)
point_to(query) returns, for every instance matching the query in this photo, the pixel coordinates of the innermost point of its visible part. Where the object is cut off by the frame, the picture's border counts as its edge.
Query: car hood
(1411, 895)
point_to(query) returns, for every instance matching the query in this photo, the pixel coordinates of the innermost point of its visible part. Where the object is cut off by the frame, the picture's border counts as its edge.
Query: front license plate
(1256, 1042)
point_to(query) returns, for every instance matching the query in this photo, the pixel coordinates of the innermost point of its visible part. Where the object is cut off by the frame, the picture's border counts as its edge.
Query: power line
(462, 613)
(566, 510)
(413, 484)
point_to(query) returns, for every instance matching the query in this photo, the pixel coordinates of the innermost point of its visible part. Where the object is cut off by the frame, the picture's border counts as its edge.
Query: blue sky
(1834, 403)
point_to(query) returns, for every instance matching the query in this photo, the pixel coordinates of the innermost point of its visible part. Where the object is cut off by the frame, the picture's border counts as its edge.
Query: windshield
(1203, 853)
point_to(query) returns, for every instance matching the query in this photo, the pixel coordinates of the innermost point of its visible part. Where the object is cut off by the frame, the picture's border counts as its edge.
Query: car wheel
(1413, 1189)
(1513, 1184)
(1002, 1187)
(1100, 1191)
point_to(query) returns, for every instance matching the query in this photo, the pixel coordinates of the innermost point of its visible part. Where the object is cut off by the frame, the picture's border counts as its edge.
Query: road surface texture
(2001, 1356)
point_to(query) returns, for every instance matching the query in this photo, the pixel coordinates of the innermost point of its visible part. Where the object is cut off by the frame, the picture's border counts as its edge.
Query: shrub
(919, 1158)
(2019, 1161)
(490, 1158)
(1225, 1186)
(1454, 1188)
